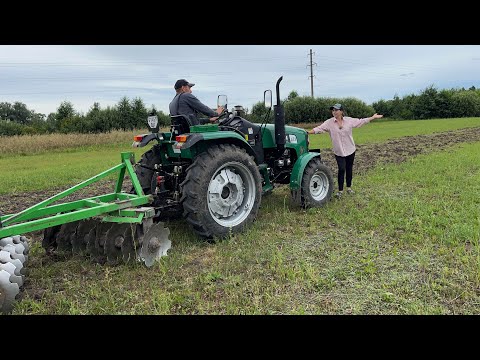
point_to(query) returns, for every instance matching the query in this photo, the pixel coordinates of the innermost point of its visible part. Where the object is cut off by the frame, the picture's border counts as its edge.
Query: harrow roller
(13, 255)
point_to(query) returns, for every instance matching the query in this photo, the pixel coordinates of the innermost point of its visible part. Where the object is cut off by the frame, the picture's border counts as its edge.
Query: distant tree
(51, 122)
(65, 117)
(139, 114)
(65, 111)
(5, 110)
(293, 94)
(426, 106)
(124, 114)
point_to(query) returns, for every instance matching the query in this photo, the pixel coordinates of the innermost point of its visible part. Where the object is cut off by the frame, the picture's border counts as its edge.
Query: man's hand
(220, 110)
(213, 119)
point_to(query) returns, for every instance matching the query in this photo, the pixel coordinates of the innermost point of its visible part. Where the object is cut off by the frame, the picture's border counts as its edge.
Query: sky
(44, 76)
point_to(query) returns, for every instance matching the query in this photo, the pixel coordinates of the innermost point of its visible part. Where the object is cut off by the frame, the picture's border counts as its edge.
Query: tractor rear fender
(298, 169)
(208, 139)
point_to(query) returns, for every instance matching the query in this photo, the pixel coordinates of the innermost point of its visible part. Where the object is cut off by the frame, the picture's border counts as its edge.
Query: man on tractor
(185, 103)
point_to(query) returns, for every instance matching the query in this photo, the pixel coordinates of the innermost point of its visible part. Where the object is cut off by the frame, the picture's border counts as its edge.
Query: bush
(10, 128)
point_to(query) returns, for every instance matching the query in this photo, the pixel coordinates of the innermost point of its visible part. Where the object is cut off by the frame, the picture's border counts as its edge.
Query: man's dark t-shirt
(188, 104)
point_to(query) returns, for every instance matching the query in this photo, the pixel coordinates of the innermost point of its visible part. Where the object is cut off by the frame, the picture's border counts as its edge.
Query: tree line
(431, 103)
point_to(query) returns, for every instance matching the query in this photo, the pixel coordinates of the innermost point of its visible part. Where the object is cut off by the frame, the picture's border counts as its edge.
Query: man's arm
(194, 103)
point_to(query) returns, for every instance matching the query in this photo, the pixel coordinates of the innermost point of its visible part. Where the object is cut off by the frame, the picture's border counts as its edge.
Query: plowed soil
(367, 156)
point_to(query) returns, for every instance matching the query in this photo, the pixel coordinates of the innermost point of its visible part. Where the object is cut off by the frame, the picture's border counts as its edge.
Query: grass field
(407, 242)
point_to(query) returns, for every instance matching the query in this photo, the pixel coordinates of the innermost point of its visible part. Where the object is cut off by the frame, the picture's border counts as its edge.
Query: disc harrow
(112, 228)
(108, 242)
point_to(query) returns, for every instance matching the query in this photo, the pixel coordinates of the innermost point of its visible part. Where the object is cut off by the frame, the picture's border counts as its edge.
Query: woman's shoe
(350, 191)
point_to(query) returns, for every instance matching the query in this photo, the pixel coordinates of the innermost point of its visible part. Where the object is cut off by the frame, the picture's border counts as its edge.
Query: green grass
(381, 131)
(58, 169)
(406, 243)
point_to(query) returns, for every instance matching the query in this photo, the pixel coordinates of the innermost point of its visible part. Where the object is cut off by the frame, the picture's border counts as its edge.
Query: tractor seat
(180, 124)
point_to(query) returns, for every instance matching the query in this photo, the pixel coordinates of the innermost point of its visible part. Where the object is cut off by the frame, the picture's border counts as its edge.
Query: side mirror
(222, 101)
(267, 98)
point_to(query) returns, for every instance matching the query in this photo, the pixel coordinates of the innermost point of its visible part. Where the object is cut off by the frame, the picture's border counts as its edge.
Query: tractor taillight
(181, 138)
(138, 138)
(160, 180)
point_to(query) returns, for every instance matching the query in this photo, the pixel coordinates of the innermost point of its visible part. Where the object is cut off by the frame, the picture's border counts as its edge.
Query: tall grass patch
(36, 144)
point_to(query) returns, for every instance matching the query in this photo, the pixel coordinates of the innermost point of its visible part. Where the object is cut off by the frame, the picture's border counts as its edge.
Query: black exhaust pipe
(279, 122)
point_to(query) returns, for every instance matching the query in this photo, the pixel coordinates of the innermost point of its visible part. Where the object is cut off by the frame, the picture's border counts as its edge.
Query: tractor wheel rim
(319, 186)
(231, 194)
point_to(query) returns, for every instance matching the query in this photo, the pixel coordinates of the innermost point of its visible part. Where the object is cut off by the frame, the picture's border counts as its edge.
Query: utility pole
(311, 72)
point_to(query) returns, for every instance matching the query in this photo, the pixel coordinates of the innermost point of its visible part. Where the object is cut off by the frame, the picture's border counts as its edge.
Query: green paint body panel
(296, 138)
(204, 128)
(113, 207)
(267, 186)
(299, 167)
(203, 136)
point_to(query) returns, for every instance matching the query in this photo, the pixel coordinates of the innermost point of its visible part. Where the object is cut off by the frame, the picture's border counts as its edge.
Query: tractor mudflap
(109, 242)
(13, 256)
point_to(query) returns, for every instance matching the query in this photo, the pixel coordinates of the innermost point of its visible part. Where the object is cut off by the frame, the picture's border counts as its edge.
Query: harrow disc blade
(65, 237)
(50, 235)
(8, 292)
(130, 245)
(84, 236)
(98, 250)
(114, 240)
(155, 244)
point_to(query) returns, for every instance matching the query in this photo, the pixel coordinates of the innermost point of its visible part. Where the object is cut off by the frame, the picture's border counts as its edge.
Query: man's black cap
(182, 82)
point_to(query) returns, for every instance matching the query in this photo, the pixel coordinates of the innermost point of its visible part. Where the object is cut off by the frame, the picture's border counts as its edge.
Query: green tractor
(216, 174)
(213, 175)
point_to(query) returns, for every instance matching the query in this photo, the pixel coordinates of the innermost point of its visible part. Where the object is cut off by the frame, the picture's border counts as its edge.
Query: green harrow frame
(114, 207)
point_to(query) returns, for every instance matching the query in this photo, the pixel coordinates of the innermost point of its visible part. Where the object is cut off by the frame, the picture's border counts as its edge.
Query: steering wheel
(222, 117)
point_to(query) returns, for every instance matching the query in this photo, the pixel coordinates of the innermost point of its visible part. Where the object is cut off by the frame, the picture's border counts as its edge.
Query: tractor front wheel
(317, 184)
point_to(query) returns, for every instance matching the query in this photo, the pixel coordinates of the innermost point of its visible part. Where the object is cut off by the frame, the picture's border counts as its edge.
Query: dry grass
(34, 144)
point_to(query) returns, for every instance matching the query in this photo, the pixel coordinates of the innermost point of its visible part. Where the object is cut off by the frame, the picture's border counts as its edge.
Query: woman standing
(340, 129)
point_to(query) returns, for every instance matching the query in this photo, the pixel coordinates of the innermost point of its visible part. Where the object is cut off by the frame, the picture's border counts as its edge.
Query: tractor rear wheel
(222, 191)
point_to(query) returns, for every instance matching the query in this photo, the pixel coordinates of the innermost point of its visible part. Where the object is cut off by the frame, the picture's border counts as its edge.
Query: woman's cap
(337, 107)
